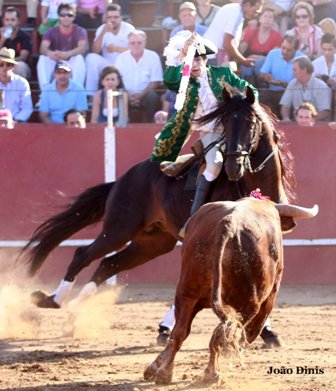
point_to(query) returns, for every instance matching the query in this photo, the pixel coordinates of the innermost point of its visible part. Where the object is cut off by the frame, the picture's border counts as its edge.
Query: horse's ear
(250, 97)
(226, 94)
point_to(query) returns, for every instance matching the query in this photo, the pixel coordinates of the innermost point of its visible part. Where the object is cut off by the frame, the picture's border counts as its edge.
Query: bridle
(246, 153)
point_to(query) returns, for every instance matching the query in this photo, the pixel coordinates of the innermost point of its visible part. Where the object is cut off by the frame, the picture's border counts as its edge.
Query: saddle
(191, 164)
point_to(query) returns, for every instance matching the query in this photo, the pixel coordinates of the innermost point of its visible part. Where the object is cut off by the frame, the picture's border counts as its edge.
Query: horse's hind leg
(142, 249)
(145, 247)
(82, 258)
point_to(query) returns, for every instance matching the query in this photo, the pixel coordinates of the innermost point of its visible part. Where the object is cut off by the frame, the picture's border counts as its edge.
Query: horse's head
(242, 129)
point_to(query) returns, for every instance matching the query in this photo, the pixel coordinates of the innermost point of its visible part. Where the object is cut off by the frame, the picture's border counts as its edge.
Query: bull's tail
(86, 209)
(229, 335)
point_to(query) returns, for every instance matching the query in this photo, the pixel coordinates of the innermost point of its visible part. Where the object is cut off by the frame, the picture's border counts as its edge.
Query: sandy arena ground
(115, 340)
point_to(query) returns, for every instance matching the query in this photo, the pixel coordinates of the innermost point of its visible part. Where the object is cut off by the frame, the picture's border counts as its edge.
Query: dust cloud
(17, 317)
(93, 317)
(20, 319)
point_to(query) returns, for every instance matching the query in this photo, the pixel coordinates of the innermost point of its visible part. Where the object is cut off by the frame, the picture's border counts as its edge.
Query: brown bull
(232, 261)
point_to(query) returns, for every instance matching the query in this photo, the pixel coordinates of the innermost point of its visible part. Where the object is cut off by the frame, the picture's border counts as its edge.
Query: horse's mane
(269, 120)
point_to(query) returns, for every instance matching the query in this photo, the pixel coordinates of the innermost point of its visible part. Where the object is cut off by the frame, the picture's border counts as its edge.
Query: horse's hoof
(40, 299)
(271, 339)
(163, 377)
(163, 337)
(37, 296)
(150, 371)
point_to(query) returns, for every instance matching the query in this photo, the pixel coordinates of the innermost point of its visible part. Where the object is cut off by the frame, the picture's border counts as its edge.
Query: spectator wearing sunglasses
(15, 90)
(308, 33)
(65, 42)
(48, 13)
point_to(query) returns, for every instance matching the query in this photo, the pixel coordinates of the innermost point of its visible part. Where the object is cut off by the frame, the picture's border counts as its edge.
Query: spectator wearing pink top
(90, 13)
(67, 42)
(257, 42)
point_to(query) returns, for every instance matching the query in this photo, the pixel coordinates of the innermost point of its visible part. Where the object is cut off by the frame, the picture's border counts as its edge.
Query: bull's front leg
(151, 370)
(162, 368)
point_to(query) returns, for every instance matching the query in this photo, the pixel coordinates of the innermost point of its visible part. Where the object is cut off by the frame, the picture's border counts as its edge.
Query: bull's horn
(295, 211)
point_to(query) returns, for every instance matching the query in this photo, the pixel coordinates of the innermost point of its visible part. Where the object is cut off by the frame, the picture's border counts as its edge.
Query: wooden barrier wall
(42, 167)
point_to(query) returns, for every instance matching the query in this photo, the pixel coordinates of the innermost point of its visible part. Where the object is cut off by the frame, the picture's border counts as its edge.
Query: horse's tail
(86, 209)
(229, 334)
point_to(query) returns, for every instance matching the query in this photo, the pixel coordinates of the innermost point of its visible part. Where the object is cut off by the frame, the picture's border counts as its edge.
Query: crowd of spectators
(287, 49)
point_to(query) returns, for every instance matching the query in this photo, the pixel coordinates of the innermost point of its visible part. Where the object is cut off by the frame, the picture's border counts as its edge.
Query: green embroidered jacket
(175, 133)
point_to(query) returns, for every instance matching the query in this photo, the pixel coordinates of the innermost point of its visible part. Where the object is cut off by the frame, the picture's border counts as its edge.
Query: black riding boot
(202, 191)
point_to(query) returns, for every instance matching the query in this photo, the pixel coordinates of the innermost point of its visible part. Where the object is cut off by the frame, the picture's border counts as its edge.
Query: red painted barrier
(42, 167)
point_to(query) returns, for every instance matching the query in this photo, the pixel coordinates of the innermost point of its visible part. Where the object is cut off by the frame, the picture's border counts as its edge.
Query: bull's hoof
(210, 377)
(163, 377)
(42, 300)
(163, 337)
(271, 339)
(150, 371)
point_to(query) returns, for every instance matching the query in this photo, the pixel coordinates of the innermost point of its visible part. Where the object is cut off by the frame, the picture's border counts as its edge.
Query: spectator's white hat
(7, 55)
(63, 65)
(187, 5)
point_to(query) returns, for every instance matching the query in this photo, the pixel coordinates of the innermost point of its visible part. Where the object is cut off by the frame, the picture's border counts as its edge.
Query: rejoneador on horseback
(201, 95)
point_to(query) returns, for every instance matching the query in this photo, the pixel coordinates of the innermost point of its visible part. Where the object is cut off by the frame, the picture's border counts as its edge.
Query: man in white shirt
(226, 29)
(110, 40)
(325, 65)
(142, 75)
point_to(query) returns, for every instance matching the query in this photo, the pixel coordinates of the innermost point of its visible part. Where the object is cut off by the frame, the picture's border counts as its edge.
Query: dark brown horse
(147, 209)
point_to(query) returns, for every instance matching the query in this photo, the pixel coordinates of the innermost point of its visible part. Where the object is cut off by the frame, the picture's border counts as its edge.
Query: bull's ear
(226, 95)
(250, 97)
(287, 224)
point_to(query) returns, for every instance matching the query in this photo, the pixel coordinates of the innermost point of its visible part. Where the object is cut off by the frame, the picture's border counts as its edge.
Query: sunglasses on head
(69, 14)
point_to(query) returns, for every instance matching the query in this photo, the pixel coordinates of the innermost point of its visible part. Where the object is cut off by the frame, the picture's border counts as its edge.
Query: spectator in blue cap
(61, 95)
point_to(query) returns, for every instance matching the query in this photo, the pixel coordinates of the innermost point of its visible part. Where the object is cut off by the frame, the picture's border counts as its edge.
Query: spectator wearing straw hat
(61, 95)
(15, 90)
